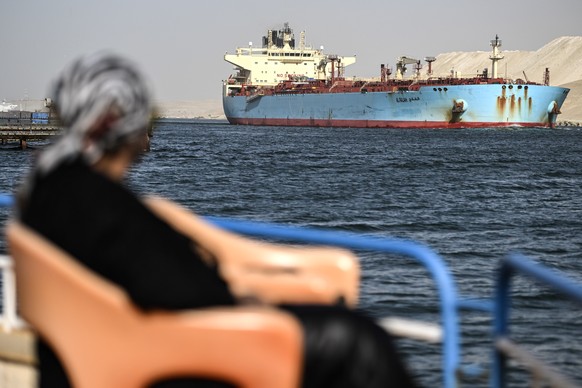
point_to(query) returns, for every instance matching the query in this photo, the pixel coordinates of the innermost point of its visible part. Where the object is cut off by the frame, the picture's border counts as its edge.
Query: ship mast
(495, 56)
(288, 41)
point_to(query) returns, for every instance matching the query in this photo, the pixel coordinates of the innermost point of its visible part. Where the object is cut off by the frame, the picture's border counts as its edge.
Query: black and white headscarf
(87, 91)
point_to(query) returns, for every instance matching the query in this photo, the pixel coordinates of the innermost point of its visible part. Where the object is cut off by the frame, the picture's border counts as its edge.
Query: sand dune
(563, 56)
(572, 108)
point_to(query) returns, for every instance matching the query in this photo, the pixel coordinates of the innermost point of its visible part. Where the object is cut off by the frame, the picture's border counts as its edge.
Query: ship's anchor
(459, 107)
(553, 112)
(553, 108)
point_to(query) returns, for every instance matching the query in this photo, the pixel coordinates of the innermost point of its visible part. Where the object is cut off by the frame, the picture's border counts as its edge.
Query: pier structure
(25, 133)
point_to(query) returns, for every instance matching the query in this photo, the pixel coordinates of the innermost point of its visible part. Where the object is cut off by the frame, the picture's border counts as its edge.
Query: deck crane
(401, 63)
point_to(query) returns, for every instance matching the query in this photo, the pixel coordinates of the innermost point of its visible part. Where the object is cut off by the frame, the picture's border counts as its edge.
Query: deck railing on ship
(448, 297)
(505, 348)
(450, 303)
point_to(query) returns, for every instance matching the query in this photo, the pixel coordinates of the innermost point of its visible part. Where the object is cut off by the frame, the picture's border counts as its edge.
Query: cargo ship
(285, 83)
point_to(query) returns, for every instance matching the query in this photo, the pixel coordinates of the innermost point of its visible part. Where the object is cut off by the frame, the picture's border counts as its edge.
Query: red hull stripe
(377, 123)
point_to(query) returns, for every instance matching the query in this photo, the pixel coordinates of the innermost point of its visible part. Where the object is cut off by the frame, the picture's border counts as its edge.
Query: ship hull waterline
(493, 105)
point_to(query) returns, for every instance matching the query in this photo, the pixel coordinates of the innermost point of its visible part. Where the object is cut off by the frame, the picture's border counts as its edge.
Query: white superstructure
(280, 60)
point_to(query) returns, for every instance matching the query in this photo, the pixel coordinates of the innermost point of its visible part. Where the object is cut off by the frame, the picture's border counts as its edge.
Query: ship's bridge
(270, 67)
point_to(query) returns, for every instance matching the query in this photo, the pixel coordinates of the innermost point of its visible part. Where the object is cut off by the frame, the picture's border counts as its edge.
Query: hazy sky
(180, 44)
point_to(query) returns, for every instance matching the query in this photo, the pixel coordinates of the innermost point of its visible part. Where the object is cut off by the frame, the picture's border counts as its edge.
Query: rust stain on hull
(512, 106)
(501, 101)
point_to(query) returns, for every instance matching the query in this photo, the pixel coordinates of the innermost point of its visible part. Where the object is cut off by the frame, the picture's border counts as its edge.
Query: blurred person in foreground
(75, 197)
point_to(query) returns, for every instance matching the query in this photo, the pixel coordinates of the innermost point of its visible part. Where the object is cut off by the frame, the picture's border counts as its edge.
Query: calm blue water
(472, 195)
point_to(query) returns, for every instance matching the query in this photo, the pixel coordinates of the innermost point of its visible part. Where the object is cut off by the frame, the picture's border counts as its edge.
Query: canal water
(472, 195)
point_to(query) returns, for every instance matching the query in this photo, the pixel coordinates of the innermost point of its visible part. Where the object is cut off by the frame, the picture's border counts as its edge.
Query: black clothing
(107, 228)
(345, 349)
(104, 226)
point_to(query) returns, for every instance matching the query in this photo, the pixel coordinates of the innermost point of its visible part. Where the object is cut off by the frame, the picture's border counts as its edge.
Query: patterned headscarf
(86, 93)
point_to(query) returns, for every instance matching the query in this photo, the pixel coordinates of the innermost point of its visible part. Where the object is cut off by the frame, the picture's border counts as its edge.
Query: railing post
(500, 324)
(424, 255)
(559, 282)
(9, 317)
(6, 200)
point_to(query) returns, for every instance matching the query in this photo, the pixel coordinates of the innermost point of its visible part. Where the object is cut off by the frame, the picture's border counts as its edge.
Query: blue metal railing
(513, 265)
(6, 200)
(449, 302)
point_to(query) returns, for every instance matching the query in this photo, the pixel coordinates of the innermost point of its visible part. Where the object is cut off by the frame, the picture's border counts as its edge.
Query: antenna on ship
(547, 76)
(495, 56)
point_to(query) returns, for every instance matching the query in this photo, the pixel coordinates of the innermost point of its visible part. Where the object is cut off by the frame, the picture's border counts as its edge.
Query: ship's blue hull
(486, 105)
